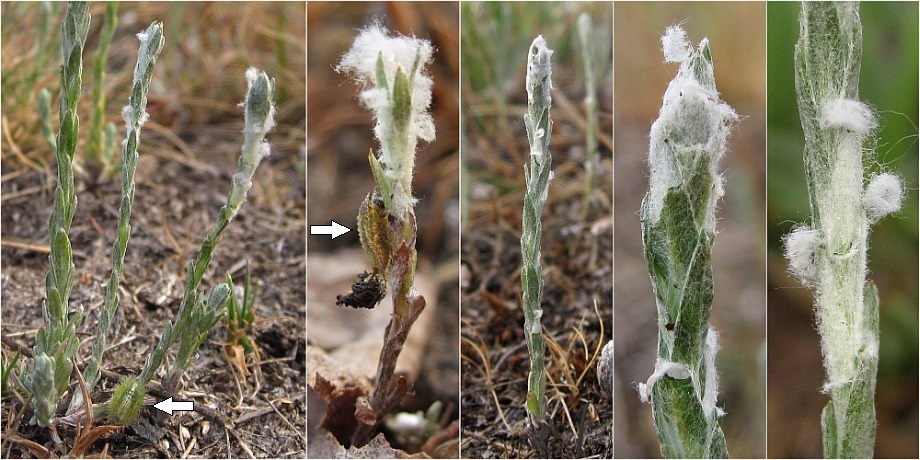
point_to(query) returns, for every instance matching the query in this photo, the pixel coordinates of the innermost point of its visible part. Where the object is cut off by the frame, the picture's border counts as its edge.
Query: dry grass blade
(486, 368)
(39, 450)
(86, 436)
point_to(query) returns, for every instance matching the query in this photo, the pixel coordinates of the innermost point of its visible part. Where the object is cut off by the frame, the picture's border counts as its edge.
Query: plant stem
(399, 96)
(830, 254)
(56, 343)
(678, 227)
(537, 175)
(196, 315)
(135, 116)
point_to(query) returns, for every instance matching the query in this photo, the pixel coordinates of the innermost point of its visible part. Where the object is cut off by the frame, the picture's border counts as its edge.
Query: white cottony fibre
(711, 386)
(693, 121)
(848, 114)
(256, 125)
(538, 83)
(676, 46)
(147, 49)
(396, 54)
(399, 51)
(707, 391)
(536, 327)
(128, 114)
(539, 68)
(142, 55)
(801, 249)
(883, 196)
(251, 74)
(145, 52)
(663, 368)
(375, 42)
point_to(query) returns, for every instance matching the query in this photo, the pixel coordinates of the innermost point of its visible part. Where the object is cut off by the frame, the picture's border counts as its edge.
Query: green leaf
(683, 429)
(402, 101)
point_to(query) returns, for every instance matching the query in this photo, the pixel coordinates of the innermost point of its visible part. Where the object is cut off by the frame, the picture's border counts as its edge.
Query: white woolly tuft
(264, 150)
(871, 346)
(675, 45)
(801, 252)
(711, 386)
(142, 55)
(663, 368)
(536, 327)
(644, 394)
(692, 119)
(424, 127)
(128, 115)
(396, 53)
(146, 50)
(374, 41)
(883, 196)
(251, 74)
(539, 67)
(848, 114)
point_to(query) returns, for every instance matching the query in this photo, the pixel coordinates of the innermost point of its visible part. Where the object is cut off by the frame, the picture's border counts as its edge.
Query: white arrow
(336, 229)
(169, 406)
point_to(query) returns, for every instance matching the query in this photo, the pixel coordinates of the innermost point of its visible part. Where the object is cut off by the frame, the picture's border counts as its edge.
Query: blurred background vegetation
(737, 35)
(199, 79)
(889, 84)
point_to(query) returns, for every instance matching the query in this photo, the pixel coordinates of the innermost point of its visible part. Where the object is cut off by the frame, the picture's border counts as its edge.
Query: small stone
(605, 370)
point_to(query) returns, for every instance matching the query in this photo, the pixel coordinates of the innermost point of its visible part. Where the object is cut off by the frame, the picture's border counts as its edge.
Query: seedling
(56, 342)
(828, 255)
(241, 314)
(398, 92)
(537, 175)
(678, 227)
(49, 375)
(197, 312)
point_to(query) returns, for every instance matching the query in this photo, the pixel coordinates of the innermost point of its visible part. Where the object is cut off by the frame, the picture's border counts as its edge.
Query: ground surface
(188, 153)
(577, 270)
(174, 206)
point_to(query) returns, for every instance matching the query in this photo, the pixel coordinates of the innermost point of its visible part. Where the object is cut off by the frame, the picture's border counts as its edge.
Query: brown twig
(408, 304)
